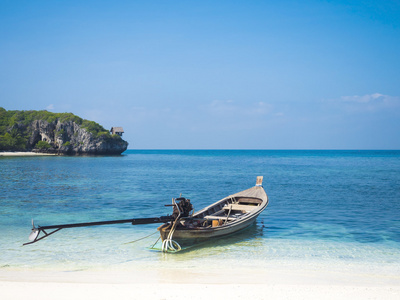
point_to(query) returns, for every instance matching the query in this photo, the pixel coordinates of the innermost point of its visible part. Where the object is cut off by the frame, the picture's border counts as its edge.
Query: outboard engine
(184, 207)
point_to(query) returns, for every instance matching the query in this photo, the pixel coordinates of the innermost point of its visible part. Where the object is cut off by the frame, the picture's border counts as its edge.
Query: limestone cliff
(71, 138)
(56, 133)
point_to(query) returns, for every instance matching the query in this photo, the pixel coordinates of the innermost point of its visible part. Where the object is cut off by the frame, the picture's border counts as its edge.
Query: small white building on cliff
(117, 130)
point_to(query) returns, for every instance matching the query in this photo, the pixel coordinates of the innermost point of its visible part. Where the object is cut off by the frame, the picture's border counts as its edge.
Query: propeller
(34, 233)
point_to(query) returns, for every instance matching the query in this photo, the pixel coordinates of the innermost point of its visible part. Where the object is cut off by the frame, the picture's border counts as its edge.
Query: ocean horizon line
(238, 149)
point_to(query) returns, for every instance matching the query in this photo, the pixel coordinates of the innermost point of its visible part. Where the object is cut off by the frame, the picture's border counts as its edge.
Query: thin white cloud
(50, 107)
(229, 107)
(373, 98)
(369, 103)
(222, 107)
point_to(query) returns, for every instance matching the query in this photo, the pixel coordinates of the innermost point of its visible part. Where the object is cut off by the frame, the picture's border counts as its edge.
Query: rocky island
(58, 133)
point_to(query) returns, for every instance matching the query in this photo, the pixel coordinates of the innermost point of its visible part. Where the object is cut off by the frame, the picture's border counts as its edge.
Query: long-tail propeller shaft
(34, 236)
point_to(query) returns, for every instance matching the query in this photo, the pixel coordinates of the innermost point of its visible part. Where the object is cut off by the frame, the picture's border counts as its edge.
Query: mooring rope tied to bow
(141, 238)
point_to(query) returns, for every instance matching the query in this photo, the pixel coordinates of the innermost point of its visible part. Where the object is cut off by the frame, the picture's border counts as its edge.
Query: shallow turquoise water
(325, 206)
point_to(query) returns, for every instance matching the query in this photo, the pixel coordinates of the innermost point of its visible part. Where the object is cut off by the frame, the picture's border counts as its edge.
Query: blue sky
(211, 74)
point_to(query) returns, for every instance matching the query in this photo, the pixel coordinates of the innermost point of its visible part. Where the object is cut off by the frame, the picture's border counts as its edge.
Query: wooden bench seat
(219, 218)
(249, 201)
(246, 208)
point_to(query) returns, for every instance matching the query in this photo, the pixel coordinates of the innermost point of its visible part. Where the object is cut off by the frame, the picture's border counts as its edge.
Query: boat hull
(256, 201)
(195, 236)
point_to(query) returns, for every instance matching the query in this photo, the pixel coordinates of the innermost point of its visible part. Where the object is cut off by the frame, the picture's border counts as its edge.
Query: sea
(335, 209)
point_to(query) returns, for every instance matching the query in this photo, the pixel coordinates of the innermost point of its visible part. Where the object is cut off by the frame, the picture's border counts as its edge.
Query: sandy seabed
(192, 284)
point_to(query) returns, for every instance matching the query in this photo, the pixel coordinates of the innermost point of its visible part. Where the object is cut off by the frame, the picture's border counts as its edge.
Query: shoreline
(181, 283)
(20, 153)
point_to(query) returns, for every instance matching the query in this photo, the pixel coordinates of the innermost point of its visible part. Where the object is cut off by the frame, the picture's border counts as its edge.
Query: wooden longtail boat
(224, 217)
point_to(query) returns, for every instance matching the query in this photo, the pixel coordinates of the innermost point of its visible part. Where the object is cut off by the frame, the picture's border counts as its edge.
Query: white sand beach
(68, 291)
(225, 283)
(24, 154)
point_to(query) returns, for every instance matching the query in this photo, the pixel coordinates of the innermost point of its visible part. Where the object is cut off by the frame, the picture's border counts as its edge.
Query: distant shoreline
(24, 154)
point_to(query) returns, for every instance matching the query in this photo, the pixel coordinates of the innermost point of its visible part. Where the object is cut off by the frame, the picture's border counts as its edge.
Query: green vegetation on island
(18, 132)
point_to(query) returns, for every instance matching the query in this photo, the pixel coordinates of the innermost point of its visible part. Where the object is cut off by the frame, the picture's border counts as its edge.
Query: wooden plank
(249, 201)
(219, 218)
(246, 208)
